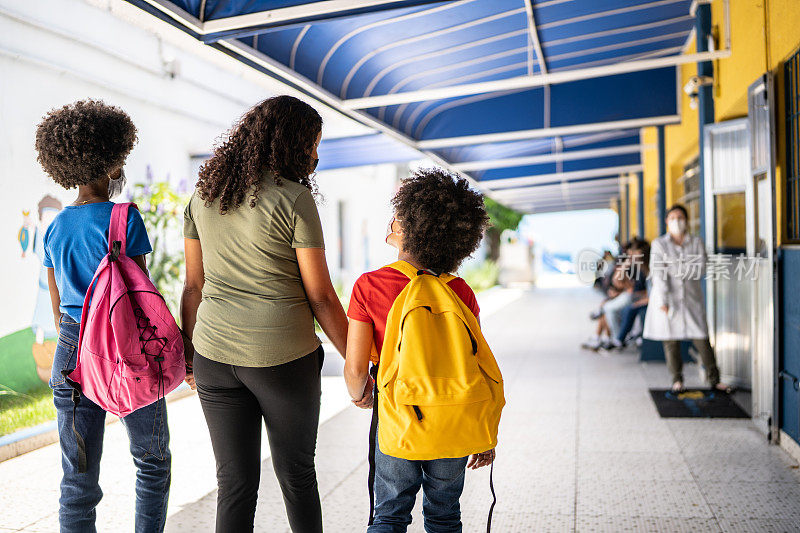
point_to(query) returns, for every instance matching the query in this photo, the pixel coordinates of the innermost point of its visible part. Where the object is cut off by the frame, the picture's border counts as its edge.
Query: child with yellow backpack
(437, 391)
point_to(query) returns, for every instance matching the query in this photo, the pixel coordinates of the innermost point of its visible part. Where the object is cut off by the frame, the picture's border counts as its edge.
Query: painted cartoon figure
(24, 234)
(43, 324)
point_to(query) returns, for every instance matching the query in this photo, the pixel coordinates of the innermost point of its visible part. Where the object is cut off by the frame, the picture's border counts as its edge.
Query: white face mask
(116, 186)
(676, 226)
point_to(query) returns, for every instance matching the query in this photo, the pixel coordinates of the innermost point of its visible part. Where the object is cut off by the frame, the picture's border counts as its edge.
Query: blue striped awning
(538, 101)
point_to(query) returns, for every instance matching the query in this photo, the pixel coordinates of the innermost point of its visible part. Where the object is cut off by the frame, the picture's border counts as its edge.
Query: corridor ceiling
(540, 103)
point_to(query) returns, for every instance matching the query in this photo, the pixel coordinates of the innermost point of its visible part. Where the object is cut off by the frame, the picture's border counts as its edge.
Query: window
(691, 194)
(792, 77)
(729, 223)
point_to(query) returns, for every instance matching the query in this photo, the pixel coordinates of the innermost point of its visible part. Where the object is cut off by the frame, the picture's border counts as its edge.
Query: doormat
(695, 403)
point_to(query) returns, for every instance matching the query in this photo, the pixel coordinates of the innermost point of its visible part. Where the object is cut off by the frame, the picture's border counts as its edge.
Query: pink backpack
(130, 350)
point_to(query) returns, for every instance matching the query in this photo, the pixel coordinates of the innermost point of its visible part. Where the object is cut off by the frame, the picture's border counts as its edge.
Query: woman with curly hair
(84, 145)
(256, 278)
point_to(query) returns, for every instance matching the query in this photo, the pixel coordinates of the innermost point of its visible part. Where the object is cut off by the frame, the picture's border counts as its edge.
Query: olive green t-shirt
(254, 311)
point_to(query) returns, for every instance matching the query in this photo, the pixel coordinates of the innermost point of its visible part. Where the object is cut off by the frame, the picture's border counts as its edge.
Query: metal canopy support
(549, 158)
(529, 82)
(564, 206)
(662, 182)
(284, 16)
(561, 131)
(705, 100)
(514, 183)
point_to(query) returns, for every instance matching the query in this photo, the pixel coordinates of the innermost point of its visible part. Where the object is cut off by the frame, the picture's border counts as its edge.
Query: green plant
(501, 218)
(162, 207)
(482, 276)
(20, 411)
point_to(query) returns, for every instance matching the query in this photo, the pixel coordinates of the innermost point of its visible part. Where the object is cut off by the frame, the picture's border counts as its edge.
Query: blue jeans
(613, 309)
(629, 319)
(149, 444)
(397, 482)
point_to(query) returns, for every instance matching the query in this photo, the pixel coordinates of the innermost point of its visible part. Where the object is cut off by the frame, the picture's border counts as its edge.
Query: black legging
(234, 400)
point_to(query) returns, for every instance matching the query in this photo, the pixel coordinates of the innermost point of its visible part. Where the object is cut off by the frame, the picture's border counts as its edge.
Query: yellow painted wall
(733, 75)
(650, 164)
(680, 140)
(633, 213)
(763, 34)
(783, 25)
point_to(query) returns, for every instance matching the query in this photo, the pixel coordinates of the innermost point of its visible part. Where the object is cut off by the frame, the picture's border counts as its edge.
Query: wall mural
(27, 355)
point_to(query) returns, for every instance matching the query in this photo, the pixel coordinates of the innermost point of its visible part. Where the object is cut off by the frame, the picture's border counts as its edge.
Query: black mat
(696, 403)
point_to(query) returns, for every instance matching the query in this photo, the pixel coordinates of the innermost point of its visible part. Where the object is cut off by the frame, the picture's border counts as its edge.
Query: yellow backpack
(440, 391)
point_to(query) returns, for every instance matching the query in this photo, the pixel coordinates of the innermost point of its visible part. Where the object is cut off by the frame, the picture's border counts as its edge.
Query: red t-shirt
(375, 292)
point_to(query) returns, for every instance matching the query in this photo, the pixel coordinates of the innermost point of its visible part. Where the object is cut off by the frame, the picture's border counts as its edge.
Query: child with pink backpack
(119, 349)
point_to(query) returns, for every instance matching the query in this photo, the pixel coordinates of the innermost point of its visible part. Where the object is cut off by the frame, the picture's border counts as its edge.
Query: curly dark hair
(277, 135)
(83, 142)
(442, 218)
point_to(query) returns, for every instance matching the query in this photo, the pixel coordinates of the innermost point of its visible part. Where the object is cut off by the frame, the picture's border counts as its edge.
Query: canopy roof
(539, 102)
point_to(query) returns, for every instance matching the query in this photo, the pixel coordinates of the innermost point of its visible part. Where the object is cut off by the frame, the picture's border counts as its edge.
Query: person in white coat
(677, 269)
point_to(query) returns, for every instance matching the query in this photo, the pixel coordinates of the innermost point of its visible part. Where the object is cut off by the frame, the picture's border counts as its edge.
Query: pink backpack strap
(118, 229)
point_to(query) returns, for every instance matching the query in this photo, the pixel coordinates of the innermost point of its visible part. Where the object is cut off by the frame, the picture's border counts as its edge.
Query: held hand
(189, 379)
(478, 460)
(366, 399)
(665, 308)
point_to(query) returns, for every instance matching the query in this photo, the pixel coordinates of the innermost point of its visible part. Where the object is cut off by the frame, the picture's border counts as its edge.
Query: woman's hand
(478, 460)
(367, 399)
(665, 308)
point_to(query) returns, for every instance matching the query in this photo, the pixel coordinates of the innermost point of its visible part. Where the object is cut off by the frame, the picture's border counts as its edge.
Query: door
(761, 247)
(728, 301)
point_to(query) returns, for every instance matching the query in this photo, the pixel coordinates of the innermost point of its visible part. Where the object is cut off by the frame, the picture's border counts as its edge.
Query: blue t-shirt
(75, 243)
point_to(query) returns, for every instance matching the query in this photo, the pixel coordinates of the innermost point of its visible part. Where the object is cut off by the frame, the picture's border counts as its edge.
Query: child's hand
(189, 379)
(478, 460)
(366, 400)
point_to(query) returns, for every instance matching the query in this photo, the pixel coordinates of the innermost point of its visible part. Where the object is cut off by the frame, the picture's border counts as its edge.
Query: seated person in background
(610, 315)
(605, 271)
(637, 266)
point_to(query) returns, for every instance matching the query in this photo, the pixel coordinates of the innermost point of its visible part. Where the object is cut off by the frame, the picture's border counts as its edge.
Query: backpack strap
(118, 229)
(411, 272)
(373, 444)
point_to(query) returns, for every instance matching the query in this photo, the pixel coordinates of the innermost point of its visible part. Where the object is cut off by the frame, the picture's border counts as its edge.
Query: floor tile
(622, 497)
(616, 524)
(759, 525)
(634, 466)
(753, 500)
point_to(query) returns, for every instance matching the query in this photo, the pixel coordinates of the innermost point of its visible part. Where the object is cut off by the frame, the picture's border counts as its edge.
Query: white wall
(53, 52)
(363, 194)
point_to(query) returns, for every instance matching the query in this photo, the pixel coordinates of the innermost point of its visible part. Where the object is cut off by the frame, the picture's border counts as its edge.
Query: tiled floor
(581, 449)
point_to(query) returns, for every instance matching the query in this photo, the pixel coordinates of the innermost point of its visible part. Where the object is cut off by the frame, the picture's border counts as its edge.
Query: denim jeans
(629, 319)
(149, 445)
(397, 482)
(613, 309)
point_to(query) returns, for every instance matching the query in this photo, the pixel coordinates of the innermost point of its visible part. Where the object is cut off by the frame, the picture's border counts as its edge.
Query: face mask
(116, 186)
(392, 236)
(676, 226)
